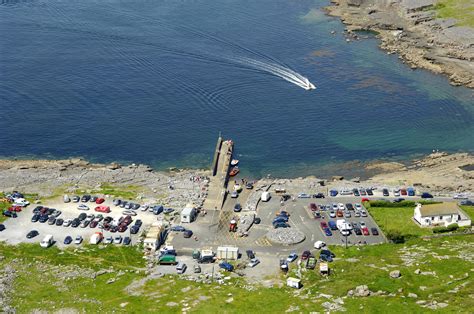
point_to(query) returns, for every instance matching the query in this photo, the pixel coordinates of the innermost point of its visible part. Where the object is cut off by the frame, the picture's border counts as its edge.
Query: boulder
(395, 274)
(362, 291)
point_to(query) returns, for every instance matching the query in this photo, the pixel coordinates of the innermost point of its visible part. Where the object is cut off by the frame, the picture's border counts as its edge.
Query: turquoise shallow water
(156, 81)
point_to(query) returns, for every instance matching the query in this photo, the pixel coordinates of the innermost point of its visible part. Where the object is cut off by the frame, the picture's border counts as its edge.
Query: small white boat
(234, 162)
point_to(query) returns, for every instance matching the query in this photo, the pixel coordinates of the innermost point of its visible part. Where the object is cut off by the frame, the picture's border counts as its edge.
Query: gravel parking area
(17, 228)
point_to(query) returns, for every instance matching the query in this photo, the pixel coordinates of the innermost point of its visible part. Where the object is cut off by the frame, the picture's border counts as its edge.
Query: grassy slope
(461, 10)
(469, 210)
(34, 289)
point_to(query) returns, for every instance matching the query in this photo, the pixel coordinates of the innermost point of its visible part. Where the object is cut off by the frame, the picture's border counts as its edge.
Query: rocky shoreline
(411, 29)
(439, 172)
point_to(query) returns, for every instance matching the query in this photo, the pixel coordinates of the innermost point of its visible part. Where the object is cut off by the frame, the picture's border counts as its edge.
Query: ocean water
(156, 81)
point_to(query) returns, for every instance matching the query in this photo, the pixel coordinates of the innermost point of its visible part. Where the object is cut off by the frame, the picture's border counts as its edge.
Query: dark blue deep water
(155, 81)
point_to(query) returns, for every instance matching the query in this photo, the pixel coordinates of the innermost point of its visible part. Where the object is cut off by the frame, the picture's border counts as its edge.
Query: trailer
(188, 214)
(227, 252)
(293, 282)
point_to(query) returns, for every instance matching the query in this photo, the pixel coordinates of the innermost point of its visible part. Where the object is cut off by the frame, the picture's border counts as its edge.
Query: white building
(442, 214)
(293, 282)
(155, 236)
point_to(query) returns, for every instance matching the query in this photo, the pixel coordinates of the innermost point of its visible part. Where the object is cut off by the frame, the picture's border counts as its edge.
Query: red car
(102, 209)
(305, 255)
(122, 228)
(15, 209)
(365, 231)
(313, 207)
(324, 225)
(365, 200)
(100, 200)
(403, 192)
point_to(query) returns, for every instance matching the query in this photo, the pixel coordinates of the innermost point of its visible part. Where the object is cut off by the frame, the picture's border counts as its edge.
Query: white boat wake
(278, 70)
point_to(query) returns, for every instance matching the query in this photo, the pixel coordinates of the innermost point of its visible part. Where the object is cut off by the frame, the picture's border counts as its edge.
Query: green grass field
(451, 258)
(461, 10)
(398, 218)
(126, 192)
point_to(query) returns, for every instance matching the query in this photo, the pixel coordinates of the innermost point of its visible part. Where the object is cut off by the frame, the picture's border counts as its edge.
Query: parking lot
(17, 228)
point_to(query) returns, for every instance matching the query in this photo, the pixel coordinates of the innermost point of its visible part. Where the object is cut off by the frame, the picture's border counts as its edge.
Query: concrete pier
(220, 170)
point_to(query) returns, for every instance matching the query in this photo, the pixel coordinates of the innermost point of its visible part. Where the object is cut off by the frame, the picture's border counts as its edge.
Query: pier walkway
(220, 175)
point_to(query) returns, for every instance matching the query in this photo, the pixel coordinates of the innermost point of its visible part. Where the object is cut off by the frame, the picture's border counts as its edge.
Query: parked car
(226, 266)
(249, 186)
(93, 199)
(385, 192)
(8, 213)
(363, 213)
(78, 239)
(347, 214)
(332, 225)
(358, 206)
(318, 195)
(326, 256)
(411, 191)
(188, 233)
(333, 193)
(339, 213)
(323, 224)
(102, 209)
(35, 218)
(312, 207)
(134, 229)
(127, 241)
(305, 255)
(82, 216)
(317, 215)
(2, 227)
(304, 195)
(357, 231)
(118, 239)
(66, 199)
(197, 269)
(68, 240)
(466, 203)
(374, 231)
(362, 192)
(43, 218)
(237, 208)
(108, 240)
(234, 194)
(178, 228)
(280, 224)
(85, 198)
(426, 195)
(332, 214)
(369, 192)
(143, 208)
(51, 220)
(75, 199)
(67, 222)
(93, 223)
(32, 234)
(253, 262)
(292, 257)
(403, 192)
(327, 232)
(83, 207)
(349, 206)
(168, 210)
(357, 213)
(365, 231)
(59, 222)
(356, 192)
(100, 200)
(116, 202)
(75, 223)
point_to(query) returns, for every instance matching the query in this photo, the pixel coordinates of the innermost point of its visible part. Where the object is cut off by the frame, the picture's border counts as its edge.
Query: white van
(47, 241)
(265, 196)
(181, 268)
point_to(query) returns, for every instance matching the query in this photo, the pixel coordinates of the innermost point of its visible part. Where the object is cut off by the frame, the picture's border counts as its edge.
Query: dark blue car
(332, 225)
(411, 191)
(333, 193)
(226, 266)
(157, 209)
(68, 240)
(426, 195)
(327, 232)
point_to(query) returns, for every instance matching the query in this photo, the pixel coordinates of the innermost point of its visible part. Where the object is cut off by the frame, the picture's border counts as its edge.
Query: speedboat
(234, 162)
(309, 86)
(234, 171)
